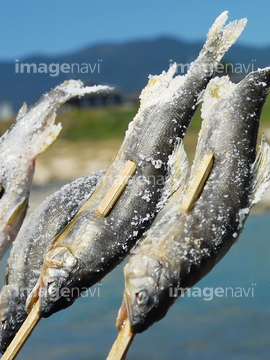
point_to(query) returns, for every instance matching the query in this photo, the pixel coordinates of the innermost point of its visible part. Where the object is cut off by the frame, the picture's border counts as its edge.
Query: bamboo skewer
(195, 188)
(103, 209)
(23, 334)
(122, 343)
(125, 336)
(117, 188)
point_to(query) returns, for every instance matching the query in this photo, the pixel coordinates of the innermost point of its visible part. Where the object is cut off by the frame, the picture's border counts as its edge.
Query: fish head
(54, 288)
(12, 314)
(146, 291)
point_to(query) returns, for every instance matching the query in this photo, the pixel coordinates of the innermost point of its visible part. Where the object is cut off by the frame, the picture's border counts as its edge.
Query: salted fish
(32, 133)
(183, 247)
(92, 245)
(26, 257)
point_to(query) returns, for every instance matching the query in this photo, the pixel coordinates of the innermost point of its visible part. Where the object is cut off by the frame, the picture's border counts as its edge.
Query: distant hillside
(125, 66)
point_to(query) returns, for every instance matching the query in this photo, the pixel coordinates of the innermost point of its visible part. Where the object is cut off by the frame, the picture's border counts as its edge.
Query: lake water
(235, 327)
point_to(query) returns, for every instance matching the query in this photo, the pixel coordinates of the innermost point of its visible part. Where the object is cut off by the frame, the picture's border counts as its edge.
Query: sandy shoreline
(64, 161)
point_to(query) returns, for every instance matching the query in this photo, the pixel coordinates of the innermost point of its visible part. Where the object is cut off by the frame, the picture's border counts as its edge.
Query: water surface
(235, 327)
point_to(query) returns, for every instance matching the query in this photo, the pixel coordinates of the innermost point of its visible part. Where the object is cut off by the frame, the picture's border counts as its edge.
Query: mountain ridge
(124, 65)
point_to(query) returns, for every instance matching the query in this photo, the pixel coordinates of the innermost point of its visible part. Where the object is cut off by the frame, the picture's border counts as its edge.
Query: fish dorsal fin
(157, 86)
(216, 89)
(178, 171)
(22, 111)
(261, 173)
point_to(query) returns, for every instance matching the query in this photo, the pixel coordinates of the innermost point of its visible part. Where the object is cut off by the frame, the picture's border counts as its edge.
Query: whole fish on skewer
(93, 243)
(26, 257)
(184, 246)
(32, 133)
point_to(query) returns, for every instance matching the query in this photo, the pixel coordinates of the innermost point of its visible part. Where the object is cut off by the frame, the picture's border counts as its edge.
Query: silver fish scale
(26, 257)
(167, 106)
(112, 237)
(188, 245)
(215, 217)
(32, 133)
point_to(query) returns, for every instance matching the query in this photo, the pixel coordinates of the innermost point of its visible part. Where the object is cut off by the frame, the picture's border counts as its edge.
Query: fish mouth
(9, 328)
(12, 315)
(33, 297)
(40, 293)
(3, 338)
(136, 319)
(141, 319)
(122, 315)
(128, 307)
(47, 305)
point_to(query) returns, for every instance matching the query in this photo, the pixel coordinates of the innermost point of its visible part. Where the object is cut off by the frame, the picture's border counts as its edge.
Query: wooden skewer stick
(103, 209)
(23, 334)
(125, 336)
(122, 343)
(117, 188)
(195, 187)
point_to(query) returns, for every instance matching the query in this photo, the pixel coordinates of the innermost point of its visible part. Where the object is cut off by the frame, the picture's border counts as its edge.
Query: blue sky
(55, 27)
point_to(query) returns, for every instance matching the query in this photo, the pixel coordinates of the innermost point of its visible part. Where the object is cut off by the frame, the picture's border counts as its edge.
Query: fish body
(184, 246)
(92, 245)
(32, 133)
(26, 257)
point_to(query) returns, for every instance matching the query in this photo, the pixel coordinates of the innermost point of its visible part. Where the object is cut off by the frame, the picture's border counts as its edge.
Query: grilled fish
(32, 133)
(183, 247)
(92, 245)
(26, 257)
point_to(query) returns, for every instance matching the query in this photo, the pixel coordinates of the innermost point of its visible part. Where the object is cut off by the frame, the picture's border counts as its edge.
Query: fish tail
(48, 136)
(48, 105)
(220, 38)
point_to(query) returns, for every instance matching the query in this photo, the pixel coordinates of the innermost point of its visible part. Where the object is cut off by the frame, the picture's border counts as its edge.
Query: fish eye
(1, 191)
(142, 297)
(53, 289)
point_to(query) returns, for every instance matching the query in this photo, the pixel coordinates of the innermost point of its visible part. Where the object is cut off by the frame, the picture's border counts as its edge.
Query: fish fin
(33, 297)
(41, 116)
(219, 38)
(157, 87)
(178, 171)
(22, 111)
(122, 315)
(261, 173)
(216, 89)
(48, 136)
